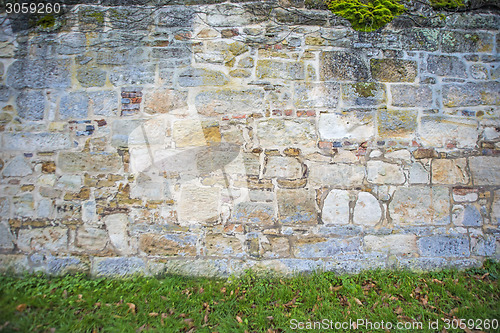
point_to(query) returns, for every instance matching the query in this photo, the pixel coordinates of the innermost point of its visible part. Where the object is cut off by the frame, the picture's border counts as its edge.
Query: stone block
(316, 95)
(423, 39)
(336, 208)
(471, 94)
(138, 74)
(420, 205)
(71, 43)
(495, 208)
(53, 239)
(393, 70)
(405, 95)
(6, 237)
(103, 103)
(138, 132)
(279, 132)
(449, 66)
(466, 42)
(198, 267)
(74, 105)
(448, 171)
(297, 206)
(466, 216)
(39, 74)
(419, 174)
(198, 204)
(319, 247)
(117, 226)
(236, 15)
(444, 246)
(226, 102)
(89, 162)
(195, 77)
(396, 123)
(253, 212)
(382, 173)
(91, 77)
(116, 267)
(342, 66)
(482, 245)
(338, 175)
(164, 101)
(4, 93)
(31, 104)
(283, 167)
(367, 210)
(362, 94)
(274, 69)
(358, 126)
(169, 244)
(485, 170)
(192, 132)
(223, 246)
(30, 142)
(17, 167)
(438, 131)
(91, 239)
(392, 244)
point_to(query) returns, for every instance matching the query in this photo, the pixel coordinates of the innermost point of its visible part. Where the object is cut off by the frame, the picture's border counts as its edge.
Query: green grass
(248, 303)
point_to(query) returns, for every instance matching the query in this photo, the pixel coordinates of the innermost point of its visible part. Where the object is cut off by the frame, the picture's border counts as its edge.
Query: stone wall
(209, 137)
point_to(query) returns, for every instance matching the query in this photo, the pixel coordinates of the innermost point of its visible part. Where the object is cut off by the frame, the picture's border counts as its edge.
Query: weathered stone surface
(74, 106)
(471, 94)
(393, 70)
(273, 69)
(458, 41)
(367, 210)
(115, 267)
(343, 66)
(198, 204)
(392, 244)
(467, 216)
(72, 43)
(420, 205)
(396, 123)
(36, 141)
(39, 74)
(192, 132)
(187, 267)
(404, 95)
(283, 167)
(89, 162)
(449, 66)
(316, 95)
(363, 94)
(336, 208)
(138, 132)
(164, 101)
(17, 167)
(53, 239)
(379, 172)
(419, 174)
(338, 175)
(438, 131)
(221, 102)
(137, 74)
(297, 206)
(6, 237)
(355, 125)
(5, 93)
(169, 244)
(91, 239)
(482, 245)
(319, 247)
(223, 246)
(485, 170)
(253, 212)
(445, 171)
(31, 104)
(495, 207)
(444, 246)
(195, 77)
(421, 39)
(103, 103)
(91, 77)
(278, 132)
(117, 226)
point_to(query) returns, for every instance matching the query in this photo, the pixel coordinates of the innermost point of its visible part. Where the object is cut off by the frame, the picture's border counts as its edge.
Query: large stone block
(91, 239)
(192, 132)
(164, 101)
(138, 132)
(471, 94)
(115, 267)
(53, 239)
(448, 66)
(336, 207)
(383, 173)
(297, 206)
(423, 39)
(468, 42)
(17, 167)
(72, 43)
(89, 162)
(438, 131)
(396, 123)
(367, 210)
(280, 132)
(319, 247)
(338, 175)
(405, 95)
(103, 103)
(393, 70)
(316, 95)
(283, 167)
(253, 212)
(74, 105)
(169, 244)
(188, 267)
(39, 74)
(222, 102)
(446, 171)
(223, 246)
(198, 204)
(274, 69)
(31, 104)
(420, 205)
(6, 237)
(392, 244)
(485, 170)
(117, 226)
(342, 66)
(195, 77)
(466, 216)
(91, 76)
(352, 125)
(363, 94)
(137, 74)
(30, 142)
(444, 246)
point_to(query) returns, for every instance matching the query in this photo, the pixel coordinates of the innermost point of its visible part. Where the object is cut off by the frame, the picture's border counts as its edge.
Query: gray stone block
(326, 248)
(410, 95)
(471, 94)
(29, 142)
(91, 77)
(468, 42)
(448, 66)
(118, 266)
(103, 103)
(137, 74)
(444, 246)
(175, 17)
(4, 93)
(39, 74)
(72, 43)
(31, 104)
(341, 65)
(74, 105)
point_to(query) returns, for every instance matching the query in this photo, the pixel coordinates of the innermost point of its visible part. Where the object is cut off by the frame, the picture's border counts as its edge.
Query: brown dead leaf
(163, 298)
(131, 308)
(238, 318)
(223, 290)
(183, 315)
(205, 318)
(337, 288)
(153, 314)
(201, 290)
(21, 307)
(398, 310)
(65, 293)
(189, 322)
(358, 301)
(292, 302)
(97, 305)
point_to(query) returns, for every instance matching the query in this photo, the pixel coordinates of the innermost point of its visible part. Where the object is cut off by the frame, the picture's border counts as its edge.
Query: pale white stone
(375, 153)
(336, 208)
(419, 174)
(392, 244)
(385, 173)
(46, 180)
(343, 175)
(70, 182)
(367, 210)
(401, 154)
(53, 239)
(333, 126)
(283, 167)
(117, 228)
(436, 131)
(17, 167)
(198, 204)
(345, 156)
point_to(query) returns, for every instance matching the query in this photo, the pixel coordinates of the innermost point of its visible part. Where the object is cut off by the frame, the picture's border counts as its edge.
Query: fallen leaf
(153, 314)
(292, 302)
(238, 318)
(163, 298)
(332, 288)
(358, 301)
(131, 308)
(65, 293)
(21, 307)
(398, 310)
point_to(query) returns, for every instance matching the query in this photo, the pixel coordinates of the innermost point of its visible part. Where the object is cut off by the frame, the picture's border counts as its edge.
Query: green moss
(98, 16)
(366, 15)
(46, 22)
(365, 89)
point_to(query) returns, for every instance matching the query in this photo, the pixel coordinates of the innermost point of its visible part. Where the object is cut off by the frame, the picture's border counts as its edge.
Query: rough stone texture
(449, 171)
(283, 167)
(438, 131)
(201, 77)
(296, 206)
(271, 69)
(74, 106)
(221, 102)
(393, 70)
(117, 226)
(31, 104)
(36, 141)
(379, 172)
(337, 175)
(471, 94)
(321, 247)
(357, 126)
(485, 170)
(39, 74)
(342, 66)
(444, 246)
(367, 210)
(168, 244)
(420, 205)
(118, 266)
(446, 66)
(404, 95)
(89, 162)
(336, 207)
(396, 123)
(275, 133)
(52, 239)
(17, 167)
(253, 212)
(198, 204)
(316, 95)
(392, 244)
(362, 94)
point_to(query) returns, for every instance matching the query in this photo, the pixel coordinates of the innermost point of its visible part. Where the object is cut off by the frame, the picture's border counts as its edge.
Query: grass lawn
(255, 303)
